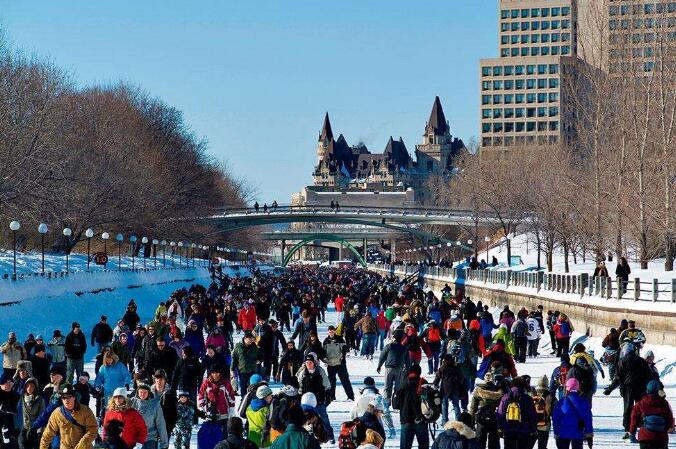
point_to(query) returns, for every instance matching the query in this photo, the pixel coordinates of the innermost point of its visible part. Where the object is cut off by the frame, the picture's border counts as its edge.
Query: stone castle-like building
(344, 172)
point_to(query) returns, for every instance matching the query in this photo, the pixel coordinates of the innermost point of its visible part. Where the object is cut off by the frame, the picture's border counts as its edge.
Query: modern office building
(521, 91)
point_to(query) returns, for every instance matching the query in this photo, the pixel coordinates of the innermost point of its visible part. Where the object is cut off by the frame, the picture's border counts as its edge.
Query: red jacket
(216, 397)
(135, 430)
(651, 404)
(247, 318)
(339, 302)
(382, 322)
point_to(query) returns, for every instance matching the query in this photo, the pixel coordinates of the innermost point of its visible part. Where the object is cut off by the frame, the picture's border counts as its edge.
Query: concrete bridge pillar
(393, 250)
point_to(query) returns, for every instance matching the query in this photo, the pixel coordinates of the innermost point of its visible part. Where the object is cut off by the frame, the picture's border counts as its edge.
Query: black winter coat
(451, 380)
(76, 345)
(632, 374)
(372, 422)
(187, 374)
(407, 401)
(165, 359)
(102, 333)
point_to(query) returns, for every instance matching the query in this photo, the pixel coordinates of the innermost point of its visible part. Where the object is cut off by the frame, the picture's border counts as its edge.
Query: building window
(545, 25)
(504, 27)
(485, 99)
(519, 69)
(565, 50)
(530, 69)
(553, 83)
(530, 112)
(545, 12)
(497, 99)
(515, 39)
(530, 83)
(519, 84)
(544, 38)
(542, 126)
(524, 51)
(509, 84)
(565, 11)
(535, 51)
(542, 83)
(515, 26)
(497, 85)
(553, 111)
(509, 127)
(485, 85)
(519, 99)
(556, 11)
(519, 112)
(509, 112)
(525, 38)
(486, 71)
(535, 12)
(649, 8)
(542, 98)
(556, 37)
(555, 50)
(556, 24)
(515, 52)
(525, 26)
(497, 70)
(509, 98)
(504, 40)
(486, 142)
(497, 127)
(565, 24)
(509, 70)
(542, 112)
(535, 25)
(504, 14)
(515, 13)
(486, 127)
(535, 38)
(520, 126)
(485, 113)
(553, 97)
(553, 126)
(504, 52)
(544, 51)
(530, 98)
(553, 68)
(524, 13)
(530, 126)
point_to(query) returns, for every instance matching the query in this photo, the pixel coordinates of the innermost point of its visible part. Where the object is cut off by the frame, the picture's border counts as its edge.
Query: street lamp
(14, 226)
(180, 262)
(164, 253)
(194, 245)
(120, 239)
(89, 233)
(133, 239)
(155, 242)
(67, 232)
(105, 236)
(144, 240)
(42, 229)
(172, 244)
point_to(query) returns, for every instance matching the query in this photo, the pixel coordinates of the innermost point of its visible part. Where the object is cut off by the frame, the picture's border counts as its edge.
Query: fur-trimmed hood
(462, 428)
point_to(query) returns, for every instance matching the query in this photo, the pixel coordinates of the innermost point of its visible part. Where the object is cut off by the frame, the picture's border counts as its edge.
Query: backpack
(458, 353)
(513, 410)
(521, 329)
(434, 335)
(430, 403)
(563, 374)
(654, 423)
(352, 433)
(486, 417)
(540, 410)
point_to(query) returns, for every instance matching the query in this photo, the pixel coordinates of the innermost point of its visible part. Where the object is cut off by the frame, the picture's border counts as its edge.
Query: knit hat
(263, 392)
(235, 426)
(39, 337)
(308, 400)
(74, 325)
(369, 381)
(309, 357)
(67, 389)
(120, 391)
(180, 393)
(288, 390)
(649, 354)
(653, 387)
(56, 369)
(572, 385)
(543, 383)
(255, 378)
(5, 377)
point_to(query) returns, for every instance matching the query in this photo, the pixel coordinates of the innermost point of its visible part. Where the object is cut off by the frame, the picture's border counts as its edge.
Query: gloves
(607, 391)
(378, 370)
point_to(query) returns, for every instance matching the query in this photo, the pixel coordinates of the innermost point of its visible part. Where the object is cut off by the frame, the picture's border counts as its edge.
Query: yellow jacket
(71, 436)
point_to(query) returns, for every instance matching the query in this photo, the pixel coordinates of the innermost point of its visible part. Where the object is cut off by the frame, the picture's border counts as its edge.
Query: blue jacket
(112, 377)
(196, 340)
(568, 416)
(487, 326)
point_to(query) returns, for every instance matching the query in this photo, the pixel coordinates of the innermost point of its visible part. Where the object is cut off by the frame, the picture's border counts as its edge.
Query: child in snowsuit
(185, 411)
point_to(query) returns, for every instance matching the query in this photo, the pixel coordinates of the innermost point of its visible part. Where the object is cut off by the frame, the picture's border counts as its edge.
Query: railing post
(509, 277)
(673, 290)
(584, 281)
(656, 289)
(539, 277)
(619, 288)
(609, 288)
(637, 288)
(597, 287)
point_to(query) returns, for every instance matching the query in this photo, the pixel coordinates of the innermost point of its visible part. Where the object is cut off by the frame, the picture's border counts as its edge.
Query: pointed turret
(327, 133)
(437, 125)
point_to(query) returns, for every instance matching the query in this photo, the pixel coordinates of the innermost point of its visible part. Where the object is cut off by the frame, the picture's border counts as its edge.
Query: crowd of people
(242, 361)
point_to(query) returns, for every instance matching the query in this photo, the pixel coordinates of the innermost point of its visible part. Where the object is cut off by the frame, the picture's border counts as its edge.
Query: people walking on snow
(572, 419)
(653, 418)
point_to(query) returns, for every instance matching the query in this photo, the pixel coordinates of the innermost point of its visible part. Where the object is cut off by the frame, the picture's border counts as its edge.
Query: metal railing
(582, 285)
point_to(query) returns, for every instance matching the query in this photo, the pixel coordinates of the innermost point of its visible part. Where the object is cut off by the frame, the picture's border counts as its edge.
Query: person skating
(372, 418)
(543, 401)
(62, 422)
(9, 402)
(120, 409)
(281, 403)
(235, 438)
(151, 412)
(57, 348)
(216, 398)
(557, 382)
(516, 417)
(572, 419)
(484, 403)
(563, 329)
(335, 350)
(632, 375)
(396, 360)
(185, 412)
(31, 406)
(102, 334)
(76, 347)
(112, 375)
(407, 401)
(165, 395)
(12, 351)
(313, 379)
(295, 436)
(246, 358)
(289, 363)
(653, 418)
(257, 417)
(370, 394)
(452, 382)
(534, 334)
(457, 434)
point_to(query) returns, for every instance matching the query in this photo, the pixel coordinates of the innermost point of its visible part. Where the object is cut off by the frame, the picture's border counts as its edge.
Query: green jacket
(295, 438)
(257, 421)
(244, 358)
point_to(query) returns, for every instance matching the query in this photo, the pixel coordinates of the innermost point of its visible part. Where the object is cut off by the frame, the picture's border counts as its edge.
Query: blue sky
(255, 77)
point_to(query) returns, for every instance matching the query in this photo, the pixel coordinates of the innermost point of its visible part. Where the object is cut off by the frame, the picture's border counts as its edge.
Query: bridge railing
(581, 285)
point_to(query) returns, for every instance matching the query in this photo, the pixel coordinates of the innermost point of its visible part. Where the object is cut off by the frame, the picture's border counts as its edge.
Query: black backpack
(430, 403)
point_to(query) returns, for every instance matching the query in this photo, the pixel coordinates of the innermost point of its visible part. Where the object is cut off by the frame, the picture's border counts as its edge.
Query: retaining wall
(592, 319)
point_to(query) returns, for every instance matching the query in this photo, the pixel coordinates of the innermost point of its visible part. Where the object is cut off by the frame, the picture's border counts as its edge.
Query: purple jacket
(528, 423)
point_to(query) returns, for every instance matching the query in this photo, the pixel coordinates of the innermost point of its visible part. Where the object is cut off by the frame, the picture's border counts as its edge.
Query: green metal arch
(331, 238)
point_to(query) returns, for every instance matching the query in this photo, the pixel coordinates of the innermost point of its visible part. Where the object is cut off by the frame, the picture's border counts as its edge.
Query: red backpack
(563, 374)
(352, 433)
(433, 335)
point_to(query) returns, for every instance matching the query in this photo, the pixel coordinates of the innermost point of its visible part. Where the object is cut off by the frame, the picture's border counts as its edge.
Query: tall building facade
(522, 96)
